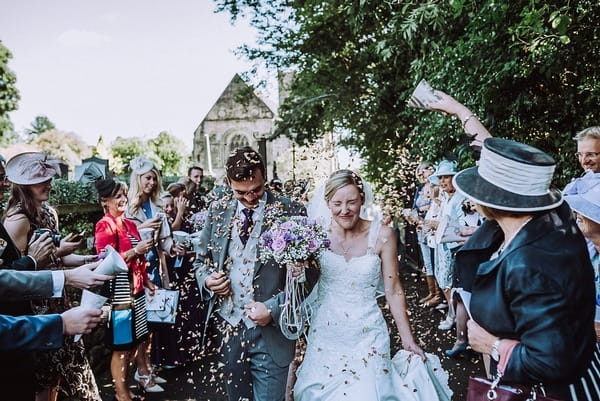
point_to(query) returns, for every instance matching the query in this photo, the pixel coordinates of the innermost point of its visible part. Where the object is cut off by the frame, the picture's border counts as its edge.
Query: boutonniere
(273, 213)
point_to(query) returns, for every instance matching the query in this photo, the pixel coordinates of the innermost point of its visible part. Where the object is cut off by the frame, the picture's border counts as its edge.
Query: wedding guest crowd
(494, 241)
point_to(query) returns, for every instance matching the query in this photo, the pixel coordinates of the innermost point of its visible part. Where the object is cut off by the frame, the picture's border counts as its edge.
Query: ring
(253, 309)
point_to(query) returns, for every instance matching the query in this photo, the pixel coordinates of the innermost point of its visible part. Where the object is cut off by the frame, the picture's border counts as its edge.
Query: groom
(245, 294)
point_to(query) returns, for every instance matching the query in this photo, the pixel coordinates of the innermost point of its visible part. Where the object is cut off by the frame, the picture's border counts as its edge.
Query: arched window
(237, 141)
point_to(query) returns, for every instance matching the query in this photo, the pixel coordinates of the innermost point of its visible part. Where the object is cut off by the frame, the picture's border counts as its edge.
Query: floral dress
(69, 363)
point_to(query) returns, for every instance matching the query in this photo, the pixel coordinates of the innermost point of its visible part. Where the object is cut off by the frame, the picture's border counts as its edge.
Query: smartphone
(78, 237)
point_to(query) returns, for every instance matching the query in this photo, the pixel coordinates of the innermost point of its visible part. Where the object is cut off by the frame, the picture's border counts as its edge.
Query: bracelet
(466, 120)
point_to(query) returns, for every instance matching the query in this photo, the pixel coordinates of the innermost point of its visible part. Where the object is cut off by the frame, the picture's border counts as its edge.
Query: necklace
(344, 250)
(508, 240)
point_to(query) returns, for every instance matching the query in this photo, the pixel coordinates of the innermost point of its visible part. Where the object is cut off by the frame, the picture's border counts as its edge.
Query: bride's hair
(339, 179)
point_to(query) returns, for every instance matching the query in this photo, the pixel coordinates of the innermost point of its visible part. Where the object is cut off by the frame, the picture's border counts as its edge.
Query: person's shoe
(147, 384)
(442, 305)
(157, 379)
(433, 302)
(426, 299)
(457, 351)
(446, 324)
(431, 287)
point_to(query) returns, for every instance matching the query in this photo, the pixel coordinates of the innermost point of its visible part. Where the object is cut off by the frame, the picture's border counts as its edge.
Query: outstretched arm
(469, 121)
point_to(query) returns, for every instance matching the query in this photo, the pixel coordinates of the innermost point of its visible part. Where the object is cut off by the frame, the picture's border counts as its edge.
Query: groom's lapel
(223, 235)
(264, 226)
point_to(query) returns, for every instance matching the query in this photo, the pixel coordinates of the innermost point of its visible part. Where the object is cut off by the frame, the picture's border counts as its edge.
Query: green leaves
(529, 68)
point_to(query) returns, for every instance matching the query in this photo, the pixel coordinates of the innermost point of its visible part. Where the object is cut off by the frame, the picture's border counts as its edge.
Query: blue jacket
(39, 332)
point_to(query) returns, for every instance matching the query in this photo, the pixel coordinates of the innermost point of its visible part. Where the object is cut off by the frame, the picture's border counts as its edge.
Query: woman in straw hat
(528, 268)
(66, 369)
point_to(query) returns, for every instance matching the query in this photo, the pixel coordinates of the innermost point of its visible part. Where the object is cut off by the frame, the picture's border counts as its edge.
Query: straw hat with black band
(510, 176)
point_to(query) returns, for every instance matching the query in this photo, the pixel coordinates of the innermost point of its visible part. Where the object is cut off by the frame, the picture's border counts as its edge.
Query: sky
(120, 67)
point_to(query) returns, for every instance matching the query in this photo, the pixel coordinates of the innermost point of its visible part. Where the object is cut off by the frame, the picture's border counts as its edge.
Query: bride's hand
(298, 268)
(411, 346)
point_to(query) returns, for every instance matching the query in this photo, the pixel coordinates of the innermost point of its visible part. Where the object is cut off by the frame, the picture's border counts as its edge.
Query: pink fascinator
(31, 168)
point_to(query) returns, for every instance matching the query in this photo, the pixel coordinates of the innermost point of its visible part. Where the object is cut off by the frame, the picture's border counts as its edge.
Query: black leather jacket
(539, 291)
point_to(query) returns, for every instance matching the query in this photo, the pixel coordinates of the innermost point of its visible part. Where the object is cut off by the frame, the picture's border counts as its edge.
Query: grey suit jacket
(18, 285)
(269, 278)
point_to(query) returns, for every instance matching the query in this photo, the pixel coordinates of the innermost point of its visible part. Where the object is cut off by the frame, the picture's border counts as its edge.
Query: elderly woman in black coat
(528, 269)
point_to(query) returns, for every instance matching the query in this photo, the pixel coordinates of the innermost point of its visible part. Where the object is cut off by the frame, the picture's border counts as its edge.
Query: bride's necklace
(344, 250)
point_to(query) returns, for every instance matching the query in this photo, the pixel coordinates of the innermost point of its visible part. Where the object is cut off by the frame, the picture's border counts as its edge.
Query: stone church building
(239, 117)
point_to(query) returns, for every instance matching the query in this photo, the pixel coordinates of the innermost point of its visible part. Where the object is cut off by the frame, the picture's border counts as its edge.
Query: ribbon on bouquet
(294, 312)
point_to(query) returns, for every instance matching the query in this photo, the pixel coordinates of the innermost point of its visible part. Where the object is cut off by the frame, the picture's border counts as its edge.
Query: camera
(38, 232)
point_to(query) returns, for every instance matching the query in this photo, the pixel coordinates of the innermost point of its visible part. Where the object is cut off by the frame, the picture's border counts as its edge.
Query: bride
(348, 353)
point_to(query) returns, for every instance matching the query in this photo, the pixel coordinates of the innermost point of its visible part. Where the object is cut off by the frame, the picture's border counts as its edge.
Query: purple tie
(246, 225)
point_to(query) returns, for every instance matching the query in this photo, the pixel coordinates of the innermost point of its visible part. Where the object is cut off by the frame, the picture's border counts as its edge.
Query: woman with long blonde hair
(145, 210)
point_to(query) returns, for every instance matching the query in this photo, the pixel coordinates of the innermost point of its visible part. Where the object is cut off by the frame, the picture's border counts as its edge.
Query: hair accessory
(31, 168)
(141, 165)
(105, 187)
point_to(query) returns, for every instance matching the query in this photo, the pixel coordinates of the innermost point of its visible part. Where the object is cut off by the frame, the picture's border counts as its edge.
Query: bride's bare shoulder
(385, 234)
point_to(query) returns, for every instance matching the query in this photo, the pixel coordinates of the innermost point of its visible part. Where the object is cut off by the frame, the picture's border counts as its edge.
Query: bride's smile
(345, 206)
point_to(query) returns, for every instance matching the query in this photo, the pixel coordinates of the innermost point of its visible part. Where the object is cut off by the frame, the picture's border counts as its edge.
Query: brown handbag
(482, 389)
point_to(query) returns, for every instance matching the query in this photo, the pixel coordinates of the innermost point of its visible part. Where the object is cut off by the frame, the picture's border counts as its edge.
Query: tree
(528, 68)
(124, 150)
(40, 125)
(9, 98)
(173, 155)
(65, 146)
(168, 153)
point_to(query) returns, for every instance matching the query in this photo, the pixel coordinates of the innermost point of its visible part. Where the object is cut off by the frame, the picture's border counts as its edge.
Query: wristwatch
(495, 353)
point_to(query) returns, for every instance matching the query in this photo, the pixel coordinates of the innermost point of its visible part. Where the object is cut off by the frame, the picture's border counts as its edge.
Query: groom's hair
(242, 164)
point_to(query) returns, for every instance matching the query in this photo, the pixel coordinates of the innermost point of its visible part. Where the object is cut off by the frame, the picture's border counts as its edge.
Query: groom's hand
(218, 283)
(258, 313)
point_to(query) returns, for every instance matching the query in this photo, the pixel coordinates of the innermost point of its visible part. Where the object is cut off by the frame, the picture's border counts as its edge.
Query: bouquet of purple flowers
(293, 239)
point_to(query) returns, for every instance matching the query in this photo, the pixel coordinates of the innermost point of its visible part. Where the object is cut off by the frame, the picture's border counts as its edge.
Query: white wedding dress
(348, 352)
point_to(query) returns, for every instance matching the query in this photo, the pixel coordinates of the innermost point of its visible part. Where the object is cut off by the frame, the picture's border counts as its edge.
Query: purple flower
(278, 244)
(287, 225)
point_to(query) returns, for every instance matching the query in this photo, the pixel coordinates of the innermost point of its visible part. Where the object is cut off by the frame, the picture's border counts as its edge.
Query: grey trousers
(250, 372)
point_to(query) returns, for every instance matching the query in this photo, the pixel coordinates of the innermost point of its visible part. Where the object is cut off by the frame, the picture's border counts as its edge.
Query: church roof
(239, 102)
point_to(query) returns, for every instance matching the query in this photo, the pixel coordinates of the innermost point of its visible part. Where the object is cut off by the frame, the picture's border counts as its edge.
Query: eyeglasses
(592, 155)
(253, 191)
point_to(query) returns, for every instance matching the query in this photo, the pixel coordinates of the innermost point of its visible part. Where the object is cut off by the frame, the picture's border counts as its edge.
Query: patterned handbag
(482, 389)
(162, 306)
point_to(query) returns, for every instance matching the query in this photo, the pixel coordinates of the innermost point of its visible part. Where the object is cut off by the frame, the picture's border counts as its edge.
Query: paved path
(201, 381)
